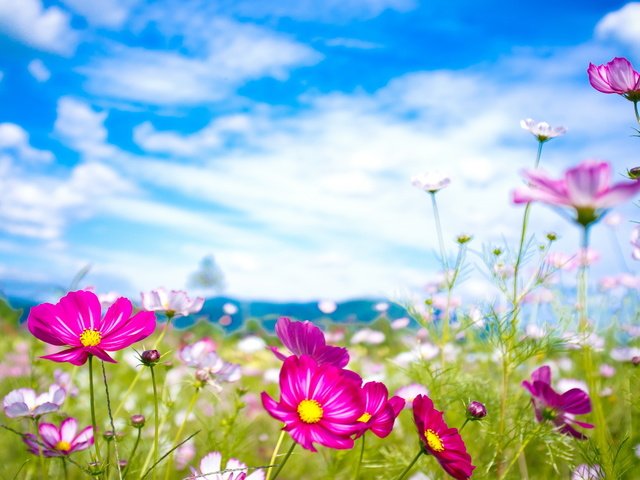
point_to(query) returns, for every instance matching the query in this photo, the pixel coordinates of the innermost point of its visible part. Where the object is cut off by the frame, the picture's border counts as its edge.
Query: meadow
(540, 383)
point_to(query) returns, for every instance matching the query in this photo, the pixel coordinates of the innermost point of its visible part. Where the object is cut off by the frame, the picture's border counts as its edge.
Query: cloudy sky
(140, 136)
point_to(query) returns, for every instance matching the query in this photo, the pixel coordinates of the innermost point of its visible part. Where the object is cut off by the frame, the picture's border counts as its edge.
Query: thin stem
(410, 466)
(156, 431)
(523, 445)
(466, 420)
(192, 403)
(635, 109)
(64, 468)
(40, 455)
(93, 410)
(286, 457)
(113, 428)
(275, 454)
(357, 475)
(436, 216)
(132, 454)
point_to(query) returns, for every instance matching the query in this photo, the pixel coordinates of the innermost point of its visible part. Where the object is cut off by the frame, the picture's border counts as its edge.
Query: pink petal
(45, 323)
(68, 429)
(136, 328)
(75, 356)
(117, 314)
(50, 434)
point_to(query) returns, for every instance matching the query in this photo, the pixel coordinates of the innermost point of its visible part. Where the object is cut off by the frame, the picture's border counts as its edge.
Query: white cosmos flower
(542, 130)
(24, 402)
(430, 181)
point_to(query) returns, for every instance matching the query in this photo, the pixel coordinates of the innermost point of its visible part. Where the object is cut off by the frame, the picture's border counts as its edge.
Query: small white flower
(24, 402)
(327, 306)
(542, 130)
(368, 336)
(175, 303)
(430, 181)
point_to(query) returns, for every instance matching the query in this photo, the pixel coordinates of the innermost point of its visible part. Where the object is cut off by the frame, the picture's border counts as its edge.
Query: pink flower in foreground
(175, 303)
(586, 188)
(542, 130)
(617, 76)
(76, 321)
(380, 411)
(318, 404)
(444, 443)
(59, 442)
(211, 469)
(24, 402)
(304, 338)
(559, 409)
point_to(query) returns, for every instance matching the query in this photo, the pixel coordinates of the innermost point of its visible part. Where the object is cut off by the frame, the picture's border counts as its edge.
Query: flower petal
(75, 356)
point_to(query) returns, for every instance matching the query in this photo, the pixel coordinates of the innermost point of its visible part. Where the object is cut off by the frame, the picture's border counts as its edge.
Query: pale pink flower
(430, 181)
(24, 402)
(211, 469)
(411, 391)
(542, 130)
(174, 303)
(607, 371)
(586, 257)
(635, 242)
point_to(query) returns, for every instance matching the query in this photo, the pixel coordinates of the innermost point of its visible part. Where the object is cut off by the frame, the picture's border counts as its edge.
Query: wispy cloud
(622, 24)
(103, 13)
(14, 141)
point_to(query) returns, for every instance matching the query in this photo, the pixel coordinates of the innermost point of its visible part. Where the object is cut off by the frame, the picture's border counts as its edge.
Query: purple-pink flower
(617, 76)
(76, 321)
(586, 188)
(60, 441)
(304, 338)
(557, 408)
(25, 402)
(380, 411)
(318, 403)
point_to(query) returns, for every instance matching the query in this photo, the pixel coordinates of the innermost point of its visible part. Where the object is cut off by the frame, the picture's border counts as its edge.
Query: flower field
(540, 382)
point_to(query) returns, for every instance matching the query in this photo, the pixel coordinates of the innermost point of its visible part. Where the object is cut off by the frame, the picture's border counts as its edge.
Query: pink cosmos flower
(304, 338)
(559, 409)
(211, 469)
(25, 402)
(175, 303)
(380, 411)
(444, 443)
(59, 442)
(542, 130)
(586, 188)
(76, 321)
(318, 403)
(202, 356)
(617, 76)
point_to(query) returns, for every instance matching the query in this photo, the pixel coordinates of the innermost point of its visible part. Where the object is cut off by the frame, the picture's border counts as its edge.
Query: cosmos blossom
(443, 443)
(586, 188)
(557, 408)
(430, 182)
(76, 321)
(25, 402)
(318, 403)
(617, 76)
(304, 338)
(211, 469)
(380, 411)
(542, 130)
(59, 441)
(174, 303)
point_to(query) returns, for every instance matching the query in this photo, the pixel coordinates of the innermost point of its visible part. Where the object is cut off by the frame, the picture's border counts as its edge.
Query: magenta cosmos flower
(444, 443)
(557, 408)
(304, 338)
(76, 321)
(586, 188)
(617, 76)
(318, 403)
(59, 442)
(380, 412)
(175, 303)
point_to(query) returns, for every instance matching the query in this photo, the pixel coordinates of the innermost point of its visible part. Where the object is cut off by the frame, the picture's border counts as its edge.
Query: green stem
(466, 420)
(40, 455)
(192, 403)
(286, 457)
(523, 445)
(274, 455)
(410, 466)
(93, 410)
(132, 454)
(357, 475)
(436, 216)
(156, 420)
(64, 468)
(635, 109)
(113, 427)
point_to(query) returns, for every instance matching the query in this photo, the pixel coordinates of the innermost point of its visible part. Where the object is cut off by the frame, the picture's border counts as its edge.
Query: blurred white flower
(587, 472)
(411, 391)
(24, 402)
(635, 242)
(327, 306)
(230, 308)
(251, 344)
(542, 130)
(368, 336)
(174, 303)
(430, 181)
(400, 323)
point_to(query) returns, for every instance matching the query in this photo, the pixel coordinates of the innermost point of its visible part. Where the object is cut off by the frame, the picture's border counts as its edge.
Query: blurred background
(268, 147)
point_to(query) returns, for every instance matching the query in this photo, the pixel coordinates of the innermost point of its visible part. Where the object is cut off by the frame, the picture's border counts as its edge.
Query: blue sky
(140, 136)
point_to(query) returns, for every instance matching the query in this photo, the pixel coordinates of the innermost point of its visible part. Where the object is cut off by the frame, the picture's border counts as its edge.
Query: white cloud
(38, 70)
(234, 54)
(622, 24)
(14, 140)
(103, 13)
(46, 29)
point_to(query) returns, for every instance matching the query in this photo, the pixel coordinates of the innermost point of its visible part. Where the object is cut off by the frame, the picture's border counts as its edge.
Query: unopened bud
(463, 238)
(150, 357)
(552, 236)
(108, 435)
(634, 173)
(137, 421)
(635, 360)
(202, 375)
(476, 410)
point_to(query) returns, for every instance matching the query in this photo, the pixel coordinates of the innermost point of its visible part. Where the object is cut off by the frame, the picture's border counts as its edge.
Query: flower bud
(634, 173)
(463, 238)
(150, 357)
(108, 435)
(552, 236)
(202, 375)
(476, 410)
(635, 360)
(137, 421)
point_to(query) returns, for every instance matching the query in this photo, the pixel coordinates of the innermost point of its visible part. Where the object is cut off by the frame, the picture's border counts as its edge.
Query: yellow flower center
(90, 338)
(365, 417)
(434, 441)
(310, 411)
(63, 446)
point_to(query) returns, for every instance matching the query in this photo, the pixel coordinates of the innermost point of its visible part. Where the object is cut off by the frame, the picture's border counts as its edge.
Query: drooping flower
(211, 469)
(304, 338)
(616, 76)
(318, 403)
(76, 321)
(60, 441)
(175, 303)
(557, 408)
(586, 188)
(202, 356)
(542, 130)
(430, 182)
(444, 443)
(24, 402)
(380, 411)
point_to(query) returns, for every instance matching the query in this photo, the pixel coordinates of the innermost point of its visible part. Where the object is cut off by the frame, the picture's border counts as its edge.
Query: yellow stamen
(90, 338)
(434, 441)
(63, 446)
(310, 411)
(365, 417)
